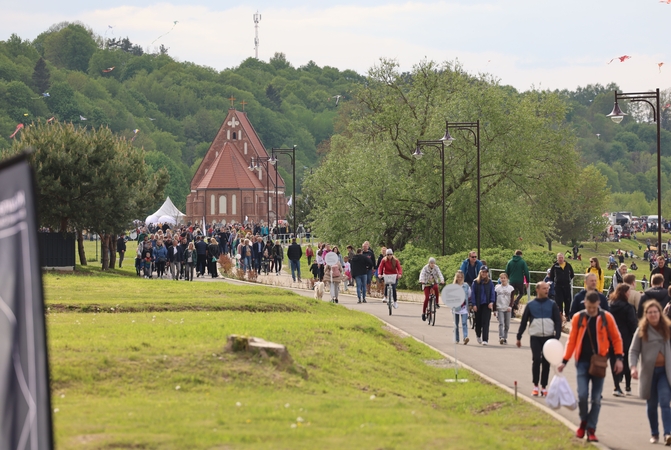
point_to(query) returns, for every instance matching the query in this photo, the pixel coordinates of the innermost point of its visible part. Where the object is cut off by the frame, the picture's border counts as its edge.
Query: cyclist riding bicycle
(390, 265)
(430, 277)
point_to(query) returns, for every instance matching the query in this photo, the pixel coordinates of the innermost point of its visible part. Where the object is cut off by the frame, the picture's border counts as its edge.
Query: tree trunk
(104, 241)
(549, 244)
(80, 248)
(112, 250)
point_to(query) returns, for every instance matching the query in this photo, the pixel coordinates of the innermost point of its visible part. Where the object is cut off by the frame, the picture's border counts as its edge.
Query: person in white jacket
(430, 277)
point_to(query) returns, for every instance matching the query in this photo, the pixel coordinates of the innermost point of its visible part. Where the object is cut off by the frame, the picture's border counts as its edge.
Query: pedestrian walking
(625, 318)
(579, 299)
(121, 248)
(360, 264)
(595, 268)
(213, 257)
(295, 253)
(201, 251)
(656, 292)
(470, 267)
(190, 259)
(504, 306)
(367, 252)
(593, 331)
(651, 347)
(278, 256)
(561, 275)
(518, 275)
(544, 319)
(483, 297)
(663, 270)
(334, 275)
(461, 312)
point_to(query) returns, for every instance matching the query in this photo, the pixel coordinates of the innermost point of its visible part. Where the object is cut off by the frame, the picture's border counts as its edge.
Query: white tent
(167, 209)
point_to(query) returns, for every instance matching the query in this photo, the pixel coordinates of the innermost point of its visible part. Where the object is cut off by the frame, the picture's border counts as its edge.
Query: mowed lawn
(159, 378)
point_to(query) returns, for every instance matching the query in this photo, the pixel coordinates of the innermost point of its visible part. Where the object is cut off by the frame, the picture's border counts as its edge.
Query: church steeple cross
(243, 103)
(232, 99)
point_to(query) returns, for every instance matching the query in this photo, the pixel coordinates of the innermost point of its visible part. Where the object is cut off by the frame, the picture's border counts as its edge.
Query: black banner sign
(25, 404)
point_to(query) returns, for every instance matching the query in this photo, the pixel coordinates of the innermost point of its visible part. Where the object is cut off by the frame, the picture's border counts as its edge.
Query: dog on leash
(319, 290)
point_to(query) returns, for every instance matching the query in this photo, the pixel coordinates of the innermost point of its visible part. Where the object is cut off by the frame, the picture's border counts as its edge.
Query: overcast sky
(524, 43)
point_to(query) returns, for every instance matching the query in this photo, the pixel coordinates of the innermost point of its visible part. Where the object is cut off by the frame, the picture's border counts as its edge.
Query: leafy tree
(70, 48)
(370, 187)
(41, 76)
(89, 179)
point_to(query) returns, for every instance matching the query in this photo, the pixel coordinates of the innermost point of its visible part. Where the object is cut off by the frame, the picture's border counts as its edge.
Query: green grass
(115, 375)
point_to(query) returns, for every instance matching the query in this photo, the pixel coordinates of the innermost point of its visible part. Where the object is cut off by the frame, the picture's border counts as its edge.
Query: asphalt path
(623, 422)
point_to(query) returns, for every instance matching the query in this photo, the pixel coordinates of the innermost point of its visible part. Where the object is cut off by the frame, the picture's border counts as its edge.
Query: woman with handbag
(651, 346)
(593, 331)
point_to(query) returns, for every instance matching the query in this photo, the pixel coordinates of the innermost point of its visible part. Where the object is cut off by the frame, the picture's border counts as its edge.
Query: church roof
(226, 167)
(230, 171)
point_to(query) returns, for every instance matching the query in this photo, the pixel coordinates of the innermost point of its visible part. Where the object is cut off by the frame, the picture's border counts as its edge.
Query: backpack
(335, 271)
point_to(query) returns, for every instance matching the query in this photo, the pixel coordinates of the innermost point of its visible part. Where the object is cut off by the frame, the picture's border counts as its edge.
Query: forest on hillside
(70, 73)
(173, 109)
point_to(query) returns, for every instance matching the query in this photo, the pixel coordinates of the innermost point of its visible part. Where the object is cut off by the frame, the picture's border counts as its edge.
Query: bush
(413, 259)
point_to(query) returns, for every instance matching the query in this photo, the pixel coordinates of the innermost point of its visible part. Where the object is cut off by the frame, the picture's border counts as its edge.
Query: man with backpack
(483, 298)
(518, 274)
(593, 332)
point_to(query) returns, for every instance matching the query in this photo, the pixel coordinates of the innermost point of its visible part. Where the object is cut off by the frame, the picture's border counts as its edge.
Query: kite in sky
(109, 69)
(668, 2)
(660, 64)
(44, 95)
(622, 58)
(82, 117)
(174, 24)
(135, 131)
(151, 119)
(19, 127)
(337, 97)
(51, 119)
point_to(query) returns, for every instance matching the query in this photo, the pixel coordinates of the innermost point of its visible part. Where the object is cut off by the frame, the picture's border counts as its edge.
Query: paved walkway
(623, 422)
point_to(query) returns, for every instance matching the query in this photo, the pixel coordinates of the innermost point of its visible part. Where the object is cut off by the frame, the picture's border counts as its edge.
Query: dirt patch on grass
(440, 363)
(491, 407)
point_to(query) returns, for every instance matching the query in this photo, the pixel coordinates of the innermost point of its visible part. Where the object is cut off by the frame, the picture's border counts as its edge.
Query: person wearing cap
(390, 265)
(483, 297)
(430, 276)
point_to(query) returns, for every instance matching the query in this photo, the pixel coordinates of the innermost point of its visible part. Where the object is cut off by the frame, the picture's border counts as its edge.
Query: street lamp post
(291, 152)
(617, 115)
(258, 163)
(440, 146)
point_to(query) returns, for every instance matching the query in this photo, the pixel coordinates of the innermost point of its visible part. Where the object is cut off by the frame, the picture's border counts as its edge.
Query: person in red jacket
(592, 332)
(390, 265)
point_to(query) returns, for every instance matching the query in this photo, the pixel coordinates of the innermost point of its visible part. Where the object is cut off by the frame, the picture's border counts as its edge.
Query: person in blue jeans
(592, 333)
(651, 347)
(295, 253)
(360, 265)
(461, 312)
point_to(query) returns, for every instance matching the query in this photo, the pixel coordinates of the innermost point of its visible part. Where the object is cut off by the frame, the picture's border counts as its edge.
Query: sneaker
(485, 343)
(336, 300)
(591, 437)
(501, 341)
(618, 393)
(544, 392)
(505, 341)
(535, 391)
(627, 392)
(466, 341)
(437, 306)
(654, 439)
(424, 319)
(479, 341)
(667, 440)
(359, 301)
(395, 305)
(364, 300)
(580, 432)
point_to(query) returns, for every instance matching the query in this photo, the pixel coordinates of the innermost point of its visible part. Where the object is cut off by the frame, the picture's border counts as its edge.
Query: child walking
(504, 308)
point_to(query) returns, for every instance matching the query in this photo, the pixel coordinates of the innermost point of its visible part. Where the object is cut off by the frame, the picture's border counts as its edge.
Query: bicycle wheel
(433, 311)
(429, 310)
(389, 298)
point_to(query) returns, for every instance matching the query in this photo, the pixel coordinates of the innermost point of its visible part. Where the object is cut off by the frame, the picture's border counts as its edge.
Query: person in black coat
(121, 248)
(656, 292)
(359, 267)
(201, 252)
(213, 257)
(625, 317)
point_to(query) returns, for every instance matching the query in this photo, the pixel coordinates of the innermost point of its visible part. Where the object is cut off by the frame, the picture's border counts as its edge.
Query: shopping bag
(560, 394)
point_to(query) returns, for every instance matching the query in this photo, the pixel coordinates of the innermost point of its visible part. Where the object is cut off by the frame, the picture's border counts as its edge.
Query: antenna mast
(257, 19)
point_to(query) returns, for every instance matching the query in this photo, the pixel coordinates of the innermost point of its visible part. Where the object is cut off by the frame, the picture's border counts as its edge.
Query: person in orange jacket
(592, 332)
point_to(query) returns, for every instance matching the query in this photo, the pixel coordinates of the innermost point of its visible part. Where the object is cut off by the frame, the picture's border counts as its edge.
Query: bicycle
(471, 318)
(389, 280)
(431, 308)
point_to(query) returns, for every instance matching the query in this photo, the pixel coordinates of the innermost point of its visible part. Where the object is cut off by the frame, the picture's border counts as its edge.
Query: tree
(70, 48)
(41, 76)
(370, 187)
(89, 180)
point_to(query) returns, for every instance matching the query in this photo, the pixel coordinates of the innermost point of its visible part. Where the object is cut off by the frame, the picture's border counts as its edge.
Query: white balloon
(553, 351)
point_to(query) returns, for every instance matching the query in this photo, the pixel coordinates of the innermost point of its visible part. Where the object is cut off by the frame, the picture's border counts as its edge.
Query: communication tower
(257, 19)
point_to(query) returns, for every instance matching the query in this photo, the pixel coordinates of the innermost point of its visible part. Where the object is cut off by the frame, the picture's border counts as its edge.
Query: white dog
(319, 290)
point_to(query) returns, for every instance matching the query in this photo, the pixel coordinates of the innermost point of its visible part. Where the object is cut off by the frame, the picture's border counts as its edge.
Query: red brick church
(224, 189)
